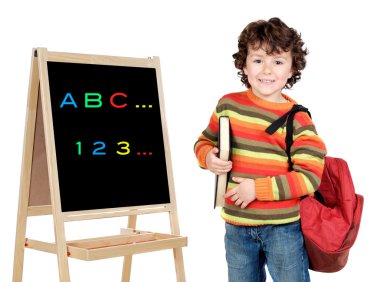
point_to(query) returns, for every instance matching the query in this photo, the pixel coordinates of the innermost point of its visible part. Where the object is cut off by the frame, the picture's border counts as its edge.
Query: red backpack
(330, 219)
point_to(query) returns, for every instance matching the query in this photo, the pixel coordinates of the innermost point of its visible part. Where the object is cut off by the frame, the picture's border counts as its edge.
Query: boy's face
(268, 74)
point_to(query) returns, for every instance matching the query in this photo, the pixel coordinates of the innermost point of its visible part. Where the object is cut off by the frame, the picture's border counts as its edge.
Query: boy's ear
(245, 70)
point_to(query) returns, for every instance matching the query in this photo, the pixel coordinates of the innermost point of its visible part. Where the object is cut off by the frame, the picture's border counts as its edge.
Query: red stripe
(269, 205)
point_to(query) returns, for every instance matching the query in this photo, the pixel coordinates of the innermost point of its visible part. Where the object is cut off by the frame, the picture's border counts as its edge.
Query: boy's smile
(268, 74)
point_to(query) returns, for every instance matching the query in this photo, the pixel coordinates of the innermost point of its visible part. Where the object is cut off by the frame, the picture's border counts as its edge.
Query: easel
(39, 186)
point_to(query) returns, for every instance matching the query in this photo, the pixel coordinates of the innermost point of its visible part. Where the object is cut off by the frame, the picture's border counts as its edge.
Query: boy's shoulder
(303, 119)
(236, 96)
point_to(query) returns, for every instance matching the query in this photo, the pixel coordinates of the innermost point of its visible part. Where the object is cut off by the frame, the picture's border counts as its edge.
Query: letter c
(118, 106)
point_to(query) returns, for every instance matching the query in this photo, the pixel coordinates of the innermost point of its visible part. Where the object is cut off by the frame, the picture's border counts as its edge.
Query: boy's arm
(307, 154)
(207, 141)
(201, 148)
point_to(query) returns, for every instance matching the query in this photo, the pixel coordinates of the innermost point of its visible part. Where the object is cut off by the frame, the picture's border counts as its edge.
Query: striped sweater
(257, 155)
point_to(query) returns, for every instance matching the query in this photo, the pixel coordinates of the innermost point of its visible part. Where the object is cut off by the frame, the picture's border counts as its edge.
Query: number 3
(125, 148)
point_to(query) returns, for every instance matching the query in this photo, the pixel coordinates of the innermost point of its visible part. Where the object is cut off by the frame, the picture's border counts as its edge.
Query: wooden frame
(39, 185)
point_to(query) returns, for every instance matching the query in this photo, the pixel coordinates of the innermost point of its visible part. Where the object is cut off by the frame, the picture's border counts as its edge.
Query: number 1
(79, 143)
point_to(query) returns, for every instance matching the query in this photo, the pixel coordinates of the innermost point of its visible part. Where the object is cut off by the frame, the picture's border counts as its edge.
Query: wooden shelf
(114, 246)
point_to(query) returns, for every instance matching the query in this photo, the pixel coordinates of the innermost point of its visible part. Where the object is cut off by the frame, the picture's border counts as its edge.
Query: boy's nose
(267, 68)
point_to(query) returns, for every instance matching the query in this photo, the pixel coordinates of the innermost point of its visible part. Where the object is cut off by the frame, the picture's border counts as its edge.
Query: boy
(262, 200)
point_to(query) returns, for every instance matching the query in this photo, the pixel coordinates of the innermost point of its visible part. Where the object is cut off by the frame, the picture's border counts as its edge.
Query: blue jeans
(281, 247)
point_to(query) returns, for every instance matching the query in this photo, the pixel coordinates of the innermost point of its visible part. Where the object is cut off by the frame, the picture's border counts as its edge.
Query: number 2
(98, 151)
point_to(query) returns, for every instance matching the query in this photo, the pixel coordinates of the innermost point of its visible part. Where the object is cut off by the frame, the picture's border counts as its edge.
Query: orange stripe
(292, 184)
(244, 126)
(259, 170)
(240, 98)
(302, 185)
(312, 166)
(312, 141)
(254, 134)
(272, 168)
(303, 119)
(246, 159)
(214, 123)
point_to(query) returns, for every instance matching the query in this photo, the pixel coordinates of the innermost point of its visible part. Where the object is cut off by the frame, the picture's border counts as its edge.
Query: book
(224, 146)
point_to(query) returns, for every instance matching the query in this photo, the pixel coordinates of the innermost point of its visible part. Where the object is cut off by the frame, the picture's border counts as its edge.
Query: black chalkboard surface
(108, 136)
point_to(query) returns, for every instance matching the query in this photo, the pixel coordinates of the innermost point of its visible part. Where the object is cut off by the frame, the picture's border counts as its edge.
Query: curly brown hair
(275, 36)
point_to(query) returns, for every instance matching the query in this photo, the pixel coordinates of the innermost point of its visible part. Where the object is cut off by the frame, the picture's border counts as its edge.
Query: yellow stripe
(259, 155)
(232, 185)
(309, 186)
(276, 194)
(306, 157)
(305, 133)
(247, 119)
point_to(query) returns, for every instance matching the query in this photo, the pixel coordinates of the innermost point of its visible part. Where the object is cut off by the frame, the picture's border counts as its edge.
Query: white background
(195, 41)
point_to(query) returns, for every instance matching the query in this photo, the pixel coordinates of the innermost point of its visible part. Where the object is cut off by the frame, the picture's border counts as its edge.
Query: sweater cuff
(202, 155)
(264, 189)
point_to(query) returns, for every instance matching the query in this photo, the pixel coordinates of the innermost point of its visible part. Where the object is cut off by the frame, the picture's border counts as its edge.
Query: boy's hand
(216, 165)
(244, 193)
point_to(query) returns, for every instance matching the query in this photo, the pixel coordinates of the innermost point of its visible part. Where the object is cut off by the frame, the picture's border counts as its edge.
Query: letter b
(92, 100)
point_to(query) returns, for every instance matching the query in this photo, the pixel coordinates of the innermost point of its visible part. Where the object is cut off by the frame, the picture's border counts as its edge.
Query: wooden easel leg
(18, 263)
(55, 199)
(179, 265)
(26, 170)
(132, 219)
(63, 263)
(177, 252)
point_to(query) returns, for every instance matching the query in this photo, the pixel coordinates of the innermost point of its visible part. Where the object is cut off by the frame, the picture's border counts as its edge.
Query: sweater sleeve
(208, 139)
(307, 154)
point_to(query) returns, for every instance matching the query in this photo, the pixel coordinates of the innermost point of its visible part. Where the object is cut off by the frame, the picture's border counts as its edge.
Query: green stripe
(248, 119)
(309, 150)
(299, 130)
(199, 143)
(251, 111)
(246, 175)
(252, 222)
(209, 134)
(284, 189)
(262, 211)
(264, 215)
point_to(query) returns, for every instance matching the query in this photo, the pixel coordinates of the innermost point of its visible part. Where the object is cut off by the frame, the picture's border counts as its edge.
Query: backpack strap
(288, 118)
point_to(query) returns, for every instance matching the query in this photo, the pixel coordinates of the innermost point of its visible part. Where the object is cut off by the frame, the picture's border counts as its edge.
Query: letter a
(71, 102)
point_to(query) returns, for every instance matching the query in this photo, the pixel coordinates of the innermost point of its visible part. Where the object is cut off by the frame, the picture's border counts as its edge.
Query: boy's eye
(278, 62)
(257, 61)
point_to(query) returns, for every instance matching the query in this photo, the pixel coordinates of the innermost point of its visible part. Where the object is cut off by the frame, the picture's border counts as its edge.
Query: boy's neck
(284, 104)
(277, 98)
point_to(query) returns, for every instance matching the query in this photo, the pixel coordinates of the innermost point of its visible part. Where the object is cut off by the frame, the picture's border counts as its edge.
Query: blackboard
(108, 136)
